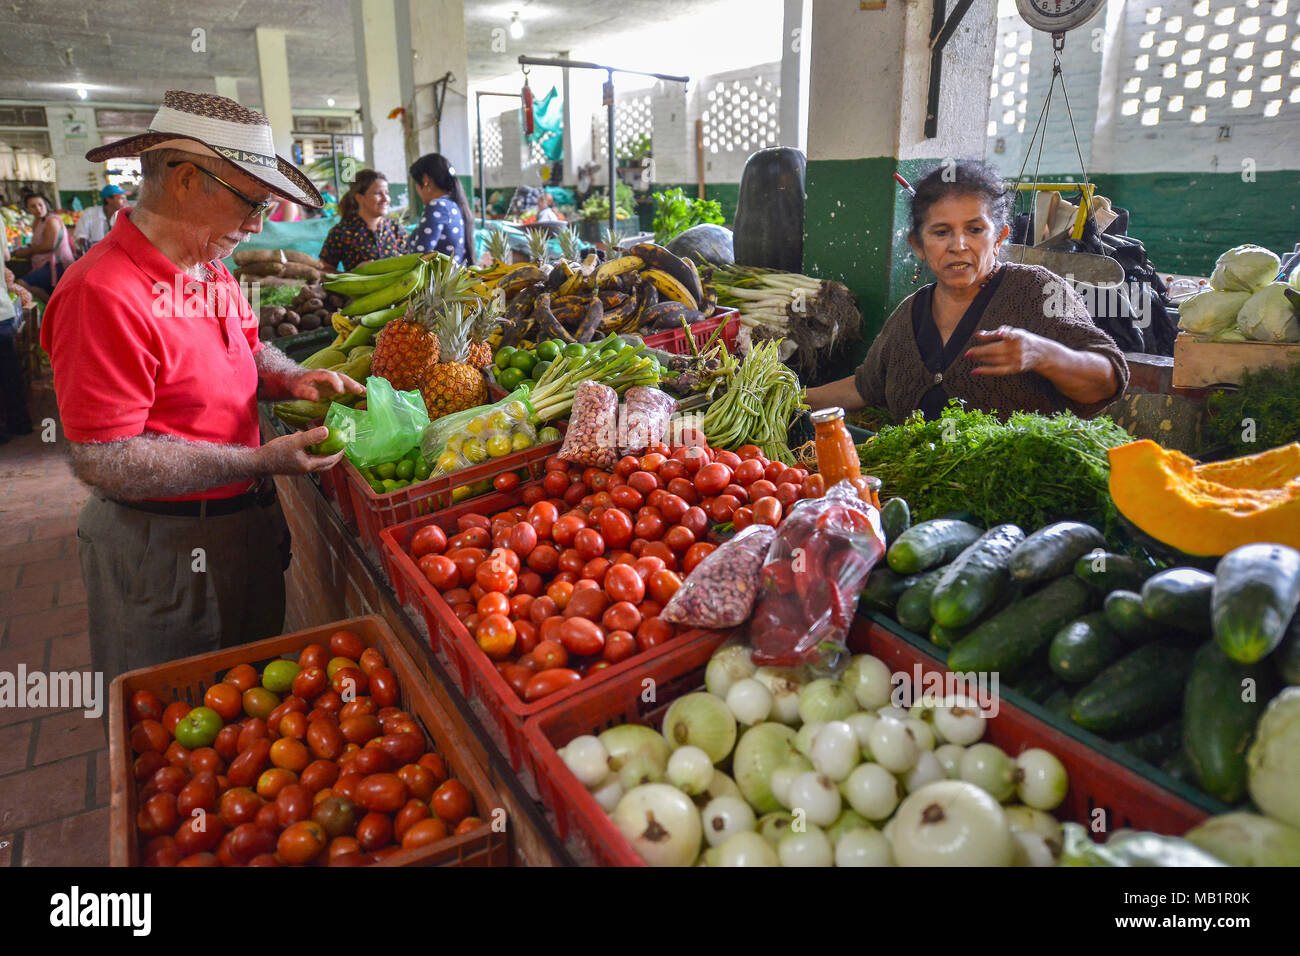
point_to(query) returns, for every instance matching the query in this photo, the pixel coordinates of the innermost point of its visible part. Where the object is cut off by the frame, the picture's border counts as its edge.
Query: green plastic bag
(480, 434)
(390, 426)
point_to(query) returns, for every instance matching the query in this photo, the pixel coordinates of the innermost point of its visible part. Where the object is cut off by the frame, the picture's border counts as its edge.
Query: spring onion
(620, 367)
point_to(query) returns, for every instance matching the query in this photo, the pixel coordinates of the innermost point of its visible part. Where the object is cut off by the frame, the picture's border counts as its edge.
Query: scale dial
(1058, 16)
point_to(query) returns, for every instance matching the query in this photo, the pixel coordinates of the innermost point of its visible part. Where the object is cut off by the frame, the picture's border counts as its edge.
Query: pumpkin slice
(1207, 510)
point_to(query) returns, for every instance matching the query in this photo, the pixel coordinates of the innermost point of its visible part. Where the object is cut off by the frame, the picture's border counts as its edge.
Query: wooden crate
(188, 679)
(1200, 364)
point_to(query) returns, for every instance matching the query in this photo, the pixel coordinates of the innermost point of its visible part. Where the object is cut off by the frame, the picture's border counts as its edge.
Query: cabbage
(1274, 759)
(1244, 269)
(1210, 313)
(1247, 839)
(1270, 315)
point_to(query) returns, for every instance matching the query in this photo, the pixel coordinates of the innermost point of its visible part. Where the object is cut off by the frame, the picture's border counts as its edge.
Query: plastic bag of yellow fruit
(477, 435)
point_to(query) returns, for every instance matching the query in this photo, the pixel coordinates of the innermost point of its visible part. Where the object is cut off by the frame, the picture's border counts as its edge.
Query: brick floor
(54, 768)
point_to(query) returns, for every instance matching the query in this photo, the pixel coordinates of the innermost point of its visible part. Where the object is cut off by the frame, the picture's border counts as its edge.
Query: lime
(391, 484)
(498, 446)
(504, 355)
(481, 487)
(454, 442)
(461, 492)
(333, 442)
(405, 468)
(499, 421)
(377, 486)
(387, 470)
(476, 425)
(548, 435)
(575, 350)
(539, 370)
(422, 470)
(515, 411)
(400, 483)
(473, 451)
(448, 462)
(524, 361)
(510, 378)
(547, 351)
(278, 676)
(520, 441)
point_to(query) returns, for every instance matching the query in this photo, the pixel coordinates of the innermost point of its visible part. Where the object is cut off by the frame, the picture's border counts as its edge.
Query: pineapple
(498, 246)
(452, 384)
(612, 239)
(482, 325)
(407, 348)
(570, 244)
(538, 240)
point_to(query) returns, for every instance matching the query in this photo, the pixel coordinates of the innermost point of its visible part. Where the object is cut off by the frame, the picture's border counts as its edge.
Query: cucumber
(930, 543)
(1124, 615)
(1106, 571)
(1179, 597)
(946, 637)
(1052, 551)
(895, 518)
(1135, 692)
(974, 581)
(1059, 703)
(913, 608)
(1155, 746)
(1287, 658)
(1256, 592)
(884, 587)
(1036, 682)
(1010, 639)
(1084, 648)
(1218, 724)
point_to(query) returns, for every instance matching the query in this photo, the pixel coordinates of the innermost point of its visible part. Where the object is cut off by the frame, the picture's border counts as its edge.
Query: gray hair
(153, 170)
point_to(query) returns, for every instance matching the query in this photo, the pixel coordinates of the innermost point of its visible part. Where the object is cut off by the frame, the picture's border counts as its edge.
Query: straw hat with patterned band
(212, 125)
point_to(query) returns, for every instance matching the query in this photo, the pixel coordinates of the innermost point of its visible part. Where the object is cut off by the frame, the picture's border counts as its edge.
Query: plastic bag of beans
(646, 412)
(720, 592)
(592, 438)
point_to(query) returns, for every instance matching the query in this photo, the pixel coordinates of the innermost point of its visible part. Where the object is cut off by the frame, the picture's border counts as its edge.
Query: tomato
(517, 676)
(383, 687)
(147, 764)
(582, 636)
(470, 520)
(663, 585)
(158, 817)
(238, 805)
(310, 683)
(741, 519)
(533, 494)
(625, 496)
(199, 794)
(543, 513)
(679, 539)
(292, 724)
(589, 543)
(506, 482)
(560, 593)
(647, 566)
(424, 833)
(169, 779)
(301, 843)
(626, 465)
(748, 471)
(595, 570)
(472, 538)
(206, 760)
(773, 471)
(761, 489)
(292, 804)
(624, 583)
(651, 527)
(724, 506)
(746, 452)
(191, 840)
(566, 529)
(542, 684)
(369, 760)
(346, 644)
(737, 492)
(768, 511)
(589, 603)
(199, 728)
(670, 469)
(653, 632)
(616, 528)
(619, 646)
(543, 559)
(577, 491)
(567, 577)
(696, 520)
(358, 730)
(643, 482)
(814, 486)
(699, 551)
(712, 478)
(152, 735)
(349, 682)
(695, 457)
(370, 661)
(658, 549)
(684, 488)
(496, 636)
(496, 575)
(541, 608)
(672, 507)
(622, 616)
(572, 561)
(522, 539)
(550, 653)
(493, 602)
(652, 462)
(173, 715)
(787, 493)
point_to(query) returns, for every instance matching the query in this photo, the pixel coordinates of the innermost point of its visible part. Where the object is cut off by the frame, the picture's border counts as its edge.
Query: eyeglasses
(258, 209)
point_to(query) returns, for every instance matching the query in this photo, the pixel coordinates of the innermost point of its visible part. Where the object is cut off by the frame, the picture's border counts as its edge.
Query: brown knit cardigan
(1028, 297)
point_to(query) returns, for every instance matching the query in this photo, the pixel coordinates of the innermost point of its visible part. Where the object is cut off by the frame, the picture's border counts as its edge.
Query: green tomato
(547, 351)
(277, 676)
(387, 470)
(503, 356)
(510, 378)
(199, 727)
(524, 361)
(575, 350)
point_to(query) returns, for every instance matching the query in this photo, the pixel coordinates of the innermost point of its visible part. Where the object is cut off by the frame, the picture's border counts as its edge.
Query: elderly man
(94, 224)
(157, 371)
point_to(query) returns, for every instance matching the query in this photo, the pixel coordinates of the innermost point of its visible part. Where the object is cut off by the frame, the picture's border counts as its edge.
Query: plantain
(611, 299)
(647, 296)
(521, 276)
(709, 302)
(670, 288)
(325, 358)
(359, 336)
(665, 315)
(389, 295)
(696, 285)
(590, 322)
(300, 412)
(657, 257)
(342, 324)
(561, 272)
(377, 320)
(521, 306)
(613, 268)
(388, 266)
(547, 322)
(354, 286)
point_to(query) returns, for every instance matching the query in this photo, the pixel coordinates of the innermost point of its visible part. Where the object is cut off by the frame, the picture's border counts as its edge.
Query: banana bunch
(378, 290)
(302, 413)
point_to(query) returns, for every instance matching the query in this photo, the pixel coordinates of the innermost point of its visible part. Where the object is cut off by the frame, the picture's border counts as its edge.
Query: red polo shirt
(137, 346)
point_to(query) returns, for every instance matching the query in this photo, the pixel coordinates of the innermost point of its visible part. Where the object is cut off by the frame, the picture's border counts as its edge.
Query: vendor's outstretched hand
(1008, 350)
(319, 383)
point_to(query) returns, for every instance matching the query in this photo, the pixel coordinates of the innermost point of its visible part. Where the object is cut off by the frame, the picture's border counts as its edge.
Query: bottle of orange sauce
(837, 456)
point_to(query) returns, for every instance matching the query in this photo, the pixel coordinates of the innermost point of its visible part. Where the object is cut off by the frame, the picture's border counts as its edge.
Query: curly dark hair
(965, 178)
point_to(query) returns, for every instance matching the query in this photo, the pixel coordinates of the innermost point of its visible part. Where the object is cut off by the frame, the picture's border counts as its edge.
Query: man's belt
(261, 495)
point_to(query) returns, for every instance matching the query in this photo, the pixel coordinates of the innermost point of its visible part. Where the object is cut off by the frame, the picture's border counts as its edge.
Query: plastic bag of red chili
(592, 438)
(720, 592)
(646, 412)
(814, 573)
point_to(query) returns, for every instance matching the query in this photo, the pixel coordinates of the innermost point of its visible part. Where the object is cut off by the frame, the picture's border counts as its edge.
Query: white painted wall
(437, 41)
(72, 170)
(375, 32)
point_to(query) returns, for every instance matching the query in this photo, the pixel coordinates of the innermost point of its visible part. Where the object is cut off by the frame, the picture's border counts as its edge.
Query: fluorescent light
(329, 101)
(81, 92)
(516, 28)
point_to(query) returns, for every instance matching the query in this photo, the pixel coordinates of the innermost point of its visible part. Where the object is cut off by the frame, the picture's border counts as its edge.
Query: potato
(309, 321)
(313, 305)
(266, 332)
(291, 316)
(285, 328)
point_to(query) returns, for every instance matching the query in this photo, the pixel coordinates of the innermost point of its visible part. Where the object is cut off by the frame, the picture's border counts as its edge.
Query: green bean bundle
(762, 397)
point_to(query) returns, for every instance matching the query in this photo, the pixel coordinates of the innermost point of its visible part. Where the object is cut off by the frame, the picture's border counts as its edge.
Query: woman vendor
(1000, 336)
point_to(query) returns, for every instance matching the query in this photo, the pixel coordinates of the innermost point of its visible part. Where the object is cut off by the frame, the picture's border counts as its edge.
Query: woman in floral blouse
(364, 231)
(447, 225)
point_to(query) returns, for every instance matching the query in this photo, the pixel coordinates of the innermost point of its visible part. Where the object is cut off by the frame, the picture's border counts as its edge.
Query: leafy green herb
(1030, 471)
(675, 212)
(873, 418)
(278, 295)
(597, 205)
(1270, 398)
(637, 150)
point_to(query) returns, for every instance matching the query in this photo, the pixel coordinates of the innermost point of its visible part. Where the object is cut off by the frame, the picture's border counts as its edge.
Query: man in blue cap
(96, 221)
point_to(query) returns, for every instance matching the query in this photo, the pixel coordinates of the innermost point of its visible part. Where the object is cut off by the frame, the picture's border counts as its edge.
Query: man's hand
(1009, 351)
(288, 454)
(316, 384)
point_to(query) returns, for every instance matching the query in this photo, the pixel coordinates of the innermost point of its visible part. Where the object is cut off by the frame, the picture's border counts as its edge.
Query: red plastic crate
(1096, 782)
(334, 488)
(674, 340)
(374, 512)
(476, 676)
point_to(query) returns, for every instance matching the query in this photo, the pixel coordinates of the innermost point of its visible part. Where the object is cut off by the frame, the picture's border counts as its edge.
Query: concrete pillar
(674, 137)
(868, 83)
(374, 27)
(273, 71)
(438, 46)
(795, 61)
(227, 86)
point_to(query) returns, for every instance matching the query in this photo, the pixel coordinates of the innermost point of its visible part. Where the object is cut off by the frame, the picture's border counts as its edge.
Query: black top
(935, 354)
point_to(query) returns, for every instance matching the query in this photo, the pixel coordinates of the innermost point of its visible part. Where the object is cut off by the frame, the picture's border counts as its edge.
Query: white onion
(750, 702)
(744, 849)
(893, 745)
(849, 819)
(959, 721)
(872, 791)
(825, 700)
(1034, 821)
(587, 759)
(990, 769)
(661, 823)
(724, 817)
(897, 713)
(1041, 780)
(773, 826)
(783, 685)
(862, 722)
(921, 733)
(690, 770)
(609, 793)
(870, 681)
(803, 738)
(1030, 849)
(950, 759)
(784, 775)
(703, 721)
(817, 796)
(760, 751)
(631, 741)
(927, 770)
(727, 666)
(863, 847)
(640, 770)
(809, 848)
(835, 750)
(720, 785)
(951, 823)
